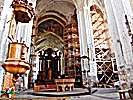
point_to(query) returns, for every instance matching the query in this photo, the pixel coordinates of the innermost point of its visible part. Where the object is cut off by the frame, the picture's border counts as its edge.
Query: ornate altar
(49, 67)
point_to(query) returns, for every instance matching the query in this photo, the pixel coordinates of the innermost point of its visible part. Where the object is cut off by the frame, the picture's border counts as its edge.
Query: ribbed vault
(51, 17)
(49, 40)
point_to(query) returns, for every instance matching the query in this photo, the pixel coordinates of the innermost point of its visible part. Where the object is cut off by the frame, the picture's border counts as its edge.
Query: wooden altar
(49, 67)
(65, 84)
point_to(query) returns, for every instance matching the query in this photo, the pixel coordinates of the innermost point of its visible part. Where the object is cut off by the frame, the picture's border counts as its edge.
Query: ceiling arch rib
(52, 11)
(44, 37)
(52, 15)
(100, 31)
(56, 5)
(49, 40)
(50, 25)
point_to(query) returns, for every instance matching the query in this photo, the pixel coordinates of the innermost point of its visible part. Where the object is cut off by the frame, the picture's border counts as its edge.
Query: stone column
(5, 18)
(120, 36)
(129, 13)
(82, 31)
(83, 42)
(1, 7)
(129, 62)
(90, 43)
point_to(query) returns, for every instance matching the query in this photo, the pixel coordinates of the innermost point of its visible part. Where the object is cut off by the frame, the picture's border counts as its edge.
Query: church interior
(66, 45)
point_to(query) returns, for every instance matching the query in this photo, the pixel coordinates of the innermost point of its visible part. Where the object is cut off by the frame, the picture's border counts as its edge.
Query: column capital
(86, 7)
(80, 9)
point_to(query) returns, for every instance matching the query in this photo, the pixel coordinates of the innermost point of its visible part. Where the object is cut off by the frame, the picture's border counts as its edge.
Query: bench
(130, 91)
(122, 94)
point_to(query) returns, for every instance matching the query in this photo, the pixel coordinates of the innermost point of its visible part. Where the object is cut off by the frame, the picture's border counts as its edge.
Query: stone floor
(100, 94)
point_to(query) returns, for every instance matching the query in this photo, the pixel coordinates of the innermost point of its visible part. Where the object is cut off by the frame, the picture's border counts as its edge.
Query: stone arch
(49, 40)
(102, 42)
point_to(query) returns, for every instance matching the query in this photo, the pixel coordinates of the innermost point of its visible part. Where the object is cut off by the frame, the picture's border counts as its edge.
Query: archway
(102, 42)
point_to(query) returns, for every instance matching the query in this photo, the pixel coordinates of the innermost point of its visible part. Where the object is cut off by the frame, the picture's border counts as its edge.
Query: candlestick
(48, 62)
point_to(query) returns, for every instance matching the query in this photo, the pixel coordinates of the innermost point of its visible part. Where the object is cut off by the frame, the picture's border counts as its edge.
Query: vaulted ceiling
(55, 13)
(52, 16)
(62, 6)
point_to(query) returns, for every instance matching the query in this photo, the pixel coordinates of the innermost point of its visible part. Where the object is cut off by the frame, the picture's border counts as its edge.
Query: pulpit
(17, 61)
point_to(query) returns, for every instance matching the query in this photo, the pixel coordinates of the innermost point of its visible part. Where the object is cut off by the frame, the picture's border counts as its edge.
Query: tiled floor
(100, 94)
